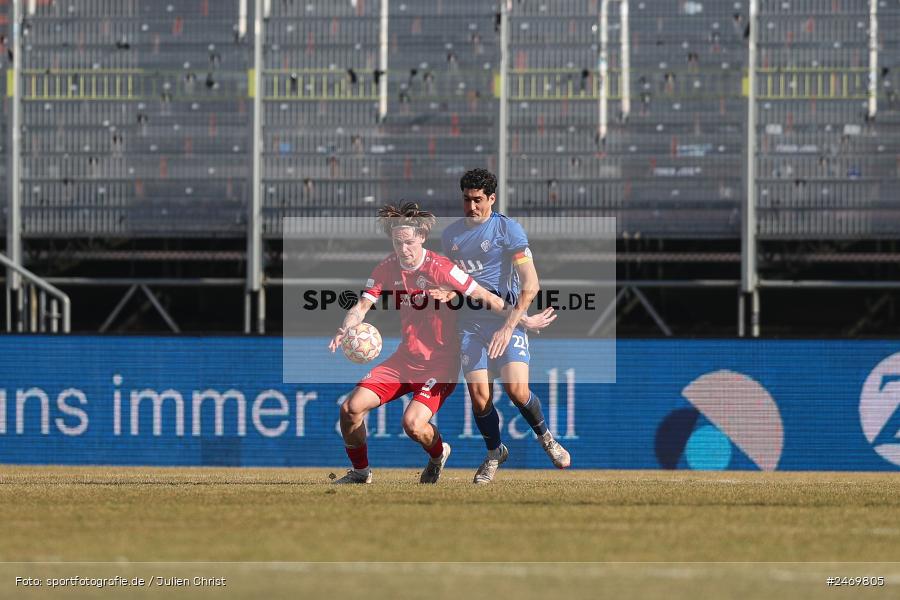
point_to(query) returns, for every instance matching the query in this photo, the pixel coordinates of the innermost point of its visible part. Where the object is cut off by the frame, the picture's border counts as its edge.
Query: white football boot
(354, 476)
(432, 471)
(487, 470)
(558, 454)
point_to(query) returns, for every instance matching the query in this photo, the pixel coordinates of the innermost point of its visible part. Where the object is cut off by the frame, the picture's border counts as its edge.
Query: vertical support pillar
(503, 125)
(603, 74)
(14, 214)
(242, 18)
(19, 313)
(625, 80)
(248, 310)
(261, 311)
(754, 315)
(254, 225)
(603, 68)
(32, 309)
(749, 277)
(873, 58)
(383, 41)
(54, 315)
(42, 312)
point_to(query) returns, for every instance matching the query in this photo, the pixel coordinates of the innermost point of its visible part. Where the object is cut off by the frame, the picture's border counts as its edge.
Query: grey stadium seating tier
(137, 115)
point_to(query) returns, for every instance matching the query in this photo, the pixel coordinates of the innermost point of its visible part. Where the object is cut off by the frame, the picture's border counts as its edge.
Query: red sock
(437, 448)
(359, 457)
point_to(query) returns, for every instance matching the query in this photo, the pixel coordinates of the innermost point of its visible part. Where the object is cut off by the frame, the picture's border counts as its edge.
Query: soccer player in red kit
(426, 364)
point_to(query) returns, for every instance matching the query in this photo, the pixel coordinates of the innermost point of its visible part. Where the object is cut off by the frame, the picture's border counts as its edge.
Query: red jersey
(429, 328)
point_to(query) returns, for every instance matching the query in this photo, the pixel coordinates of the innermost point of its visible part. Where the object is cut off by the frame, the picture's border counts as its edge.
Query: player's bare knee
(481, 403)
(350, 412)
(518, 393)
(345, 412)
(415, 428)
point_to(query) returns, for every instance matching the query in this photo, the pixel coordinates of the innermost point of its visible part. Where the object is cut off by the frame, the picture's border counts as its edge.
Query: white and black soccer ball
(362, 344)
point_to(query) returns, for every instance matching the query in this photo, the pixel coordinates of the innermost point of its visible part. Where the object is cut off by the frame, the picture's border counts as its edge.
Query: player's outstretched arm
(536, 322)
(529, 289)
(530, 286)
(354, 317)
(501, 337)
(490, 301)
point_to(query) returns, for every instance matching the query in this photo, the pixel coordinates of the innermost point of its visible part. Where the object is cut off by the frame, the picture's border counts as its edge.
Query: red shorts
(430, 383)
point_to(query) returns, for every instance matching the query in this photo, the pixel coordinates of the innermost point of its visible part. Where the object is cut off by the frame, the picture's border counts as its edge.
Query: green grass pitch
(572, 534)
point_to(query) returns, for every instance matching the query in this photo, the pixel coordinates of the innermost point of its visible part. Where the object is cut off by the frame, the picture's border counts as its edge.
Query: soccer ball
(362, 344)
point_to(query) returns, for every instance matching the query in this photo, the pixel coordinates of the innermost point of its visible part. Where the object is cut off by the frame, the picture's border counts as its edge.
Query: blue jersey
(488, 252)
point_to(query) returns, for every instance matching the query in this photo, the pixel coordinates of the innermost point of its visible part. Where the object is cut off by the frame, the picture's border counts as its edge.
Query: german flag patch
(522, 256)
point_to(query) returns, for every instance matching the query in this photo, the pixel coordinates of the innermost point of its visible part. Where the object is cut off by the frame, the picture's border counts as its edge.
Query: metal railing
(27, 309)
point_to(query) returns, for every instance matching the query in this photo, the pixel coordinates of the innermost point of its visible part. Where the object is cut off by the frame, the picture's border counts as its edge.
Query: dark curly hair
(407, 214)
(479, 179)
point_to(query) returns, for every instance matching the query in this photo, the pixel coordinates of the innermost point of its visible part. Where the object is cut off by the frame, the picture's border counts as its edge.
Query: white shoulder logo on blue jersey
(486, 245)
(454, 248)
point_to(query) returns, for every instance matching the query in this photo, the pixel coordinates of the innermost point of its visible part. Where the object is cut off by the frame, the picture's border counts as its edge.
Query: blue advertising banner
(767, 405)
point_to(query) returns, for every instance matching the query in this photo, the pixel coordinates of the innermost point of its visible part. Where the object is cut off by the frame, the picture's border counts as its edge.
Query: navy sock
(489, 426)
(532, 412)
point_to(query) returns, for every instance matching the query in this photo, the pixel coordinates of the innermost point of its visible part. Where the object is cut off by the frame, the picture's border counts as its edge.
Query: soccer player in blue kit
(493, 249)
